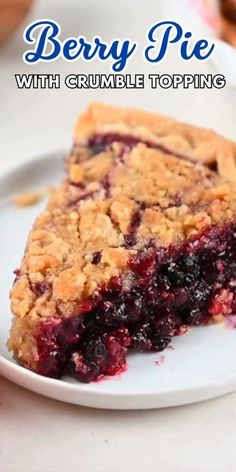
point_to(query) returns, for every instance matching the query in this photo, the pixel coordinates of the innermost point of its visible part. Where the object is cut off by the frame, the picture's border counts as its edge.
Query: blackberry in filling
(159, 296)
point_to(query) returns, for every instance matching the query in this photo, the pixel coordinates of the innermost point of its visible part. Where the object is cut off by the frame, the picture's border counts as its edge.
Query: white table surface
(42, 435)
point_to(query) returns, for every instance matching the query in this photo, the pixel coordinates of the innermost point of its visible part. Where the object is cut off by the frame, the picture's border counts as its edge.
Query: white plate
(201, 365)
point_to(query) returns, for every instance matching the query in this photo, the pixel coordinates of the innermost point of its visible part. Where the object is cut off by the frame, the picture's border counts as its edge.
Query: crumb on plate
(161, 360)
(26, 199)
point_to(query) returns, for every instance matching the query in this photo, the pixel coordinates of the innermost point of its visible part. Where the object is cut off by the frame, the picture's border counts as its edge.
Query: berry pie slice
(137, 245)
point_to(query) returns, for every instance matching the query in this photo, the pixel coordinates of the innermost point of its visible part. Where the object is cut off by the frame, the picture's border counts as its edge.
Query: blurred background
(218, 15)
(36, 121)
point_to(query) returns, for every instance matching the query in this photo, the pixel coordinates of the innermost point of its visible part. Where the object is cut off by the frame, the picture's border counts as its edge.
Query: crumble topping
(196, 143)
(150, 196)
(120, 199)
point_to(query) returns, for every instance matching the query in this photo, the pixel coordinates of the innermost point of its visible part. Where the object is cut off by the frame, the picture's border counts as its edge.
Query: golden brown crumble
(194, 142)
(178, 198)
(113, 201)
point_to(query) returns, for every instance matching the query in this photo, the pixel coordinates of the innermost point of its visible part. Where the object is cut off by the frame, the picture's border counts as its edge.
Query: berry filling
(162, 293)
(99, 142)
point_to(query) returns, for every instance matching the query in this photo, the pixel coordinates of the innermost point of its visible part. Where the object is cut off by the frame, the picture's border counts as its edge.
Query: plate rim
(112, 400)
